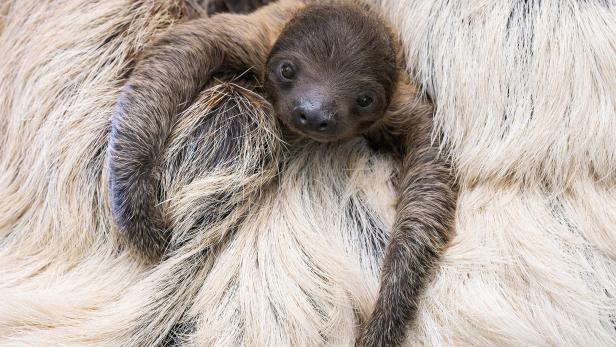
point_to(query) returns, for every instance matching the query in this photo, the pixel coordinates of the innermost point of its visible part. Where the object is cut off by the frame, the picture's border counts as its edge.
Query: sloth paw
(381, 331)
(234, 6)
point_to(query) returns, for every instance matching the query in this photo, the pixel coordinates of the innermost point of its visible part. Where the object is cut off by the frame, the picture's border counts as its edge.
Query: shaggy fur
(525, 97)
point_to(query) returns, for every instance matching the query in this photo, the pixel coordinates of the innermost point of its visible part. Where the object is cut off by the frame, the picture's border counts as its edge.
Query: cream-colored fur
(525, 98)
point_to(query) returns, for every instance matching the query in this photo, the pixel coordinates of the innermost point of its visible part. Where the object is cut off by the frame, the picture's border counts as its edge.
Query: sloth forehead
(336, 30)
(343, 41)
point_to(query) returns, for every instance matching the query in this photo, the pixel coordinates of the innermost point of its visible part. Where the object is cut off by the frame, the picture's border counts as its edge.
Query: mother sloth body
(513, 82)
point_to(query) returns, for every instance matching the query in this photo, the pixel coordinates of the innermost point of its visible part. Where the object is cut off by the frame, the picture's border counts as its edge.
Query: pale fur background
(526, 100)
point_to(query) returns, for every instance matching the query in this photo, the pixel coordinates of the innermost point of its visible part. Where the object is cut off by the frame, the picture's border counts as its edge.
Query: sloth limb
(164, 82)
(423, 224)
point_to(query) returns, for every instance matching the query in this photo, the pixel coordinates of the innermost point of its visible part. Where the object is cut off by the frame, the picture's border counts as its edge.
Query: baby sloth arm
(169, 75)
(423, 224)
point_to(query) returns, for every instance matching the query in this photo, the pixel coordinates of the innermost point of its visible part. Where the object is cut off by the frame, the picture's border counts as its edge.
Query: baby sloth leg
(422, 228)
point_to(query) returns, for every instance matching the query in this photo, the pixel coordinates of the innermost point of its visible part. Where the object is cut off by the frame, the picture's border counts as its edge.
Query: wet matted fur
(525, 95)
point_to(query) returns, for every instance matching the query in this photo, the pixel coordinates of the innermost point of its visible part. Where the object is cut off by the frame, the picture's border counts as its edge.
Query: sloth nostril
(302, 118)
(323, 126)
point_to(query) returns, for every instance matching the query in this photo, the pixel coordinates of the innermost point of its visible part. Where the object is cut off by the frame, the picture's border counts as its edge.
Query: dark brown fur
(175, 69)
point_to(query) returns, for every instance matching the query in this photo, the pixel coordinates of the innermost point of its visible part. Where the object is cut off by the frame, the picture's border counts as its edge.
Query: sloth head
(332, 72)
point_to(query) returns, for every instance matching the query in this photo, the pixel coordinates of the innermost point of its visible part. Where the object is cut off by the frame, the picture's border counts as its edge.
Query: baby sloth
(331, 72)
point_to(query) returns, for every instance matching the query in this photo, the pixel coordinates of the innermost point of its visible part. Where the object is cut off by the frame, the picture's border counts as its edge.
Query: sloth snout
(313, 118)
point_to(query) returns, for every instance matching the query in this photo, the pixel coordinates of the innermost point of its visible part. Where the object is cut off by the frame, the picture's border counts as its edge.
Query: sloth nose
(313, 118)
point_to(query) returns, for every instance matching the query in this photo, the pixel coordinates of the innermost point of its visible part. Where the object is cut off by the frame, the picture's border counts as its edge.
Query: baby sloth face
(331, 73)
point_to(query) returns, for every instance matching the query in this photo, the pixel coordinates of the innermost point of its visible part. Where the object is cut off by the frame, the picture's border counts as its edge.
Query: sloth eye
(287, 71)
(365, 100)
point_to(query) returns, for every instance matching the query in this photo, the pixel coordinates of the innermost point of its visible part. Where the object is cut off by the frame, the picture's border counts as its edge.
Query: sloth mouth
(315, 136)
